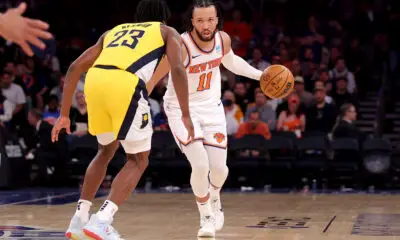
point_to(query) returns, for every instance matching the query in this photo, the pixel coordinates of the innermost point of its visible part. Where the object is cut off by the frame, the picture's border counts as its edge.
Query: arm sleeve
(239, 66)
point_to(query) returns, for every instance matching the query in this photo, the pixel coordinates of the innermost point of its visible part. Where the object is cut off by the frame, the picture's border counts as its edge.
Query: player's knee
(138, 160)
(107, 152)
(219, 169)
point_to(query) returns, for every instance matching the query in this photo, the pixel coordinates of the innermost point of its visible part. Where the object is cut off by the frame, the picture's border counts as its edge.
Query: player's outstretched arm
(178, 74)
(236, 64)
(22, 30)
(75, 71)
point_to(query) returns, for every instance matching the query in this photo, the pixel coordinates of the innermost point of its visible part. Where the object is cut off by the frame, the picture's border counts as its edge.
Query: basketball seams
(283, 85)
(267, 83)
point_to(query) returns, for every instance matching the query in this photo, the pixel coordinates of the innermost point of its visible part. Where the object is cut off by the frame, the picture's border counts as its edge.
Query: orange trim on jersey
(222, 43)
(215, 145)
(185, 143)
(189, 54)
(198, 47)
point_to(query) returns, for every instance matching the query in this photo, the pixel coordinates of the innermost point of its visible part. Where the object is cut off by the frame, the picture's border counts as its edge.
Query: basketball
(278, 82)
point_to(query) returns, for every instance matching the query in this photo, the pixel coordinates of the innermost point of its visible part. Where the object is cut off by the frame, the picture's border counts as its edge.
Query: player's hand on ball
(62, 122)
(187, 121)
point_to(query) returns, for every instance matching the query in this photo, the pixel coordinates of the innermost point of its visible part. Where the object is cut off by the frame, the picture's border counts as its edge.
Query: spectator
(341, 95)
(254, 126)
(6, 110)
(305, 96)
(341, 70)
(292, 119)
(324, 77)
(233, 113)
(322, 116)
(267, 113)
(313, 39)
(79, 116)
(257, 60)
(344, 127)
(49, 155)
(53, 112)
(160, 120)
(296, 67)
(57, 90)
(321, 85)
(12, 91)
(240, 33)
(241, 96)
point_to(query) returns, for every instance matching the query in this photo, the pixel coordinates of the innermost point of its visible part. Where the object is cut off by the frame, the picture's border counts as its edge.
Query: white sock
(107, 211)
(215, 196)
(214, 193)
(204, 208)
(82, 209)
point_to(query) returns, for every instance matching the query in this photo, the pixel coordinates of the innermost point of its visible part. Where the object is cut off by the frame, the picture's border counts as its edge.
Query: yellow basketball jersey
(134, 47)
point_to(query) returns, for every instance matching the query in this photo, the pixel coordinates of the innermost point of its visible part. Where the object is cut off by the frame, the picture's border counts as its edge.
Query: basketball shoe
(74, 231)
(218, 213)
(100, 230)
(207, 227)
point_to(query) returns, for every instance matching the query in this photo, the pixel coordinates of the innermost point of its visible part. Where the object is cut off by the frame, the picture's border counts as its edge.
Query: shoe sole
(92, 235)
(72, 236)
(206, 235)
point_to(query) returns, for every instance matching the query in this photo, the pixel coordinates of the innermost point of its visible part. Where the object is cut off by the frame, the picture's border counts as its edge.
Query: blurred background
(339, 129)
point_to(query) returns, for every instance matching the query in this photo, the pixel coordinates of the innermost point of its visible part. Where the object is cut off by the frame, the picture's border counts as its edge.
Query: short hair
(203, 4)
(36, 113)
(345, 108)
(152, 11)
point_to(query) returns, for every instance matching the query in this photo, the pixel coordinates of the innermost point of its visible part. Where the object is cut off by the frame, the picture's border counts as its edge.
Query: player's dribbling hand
(62, 122)
(187, 121)
(22, 30)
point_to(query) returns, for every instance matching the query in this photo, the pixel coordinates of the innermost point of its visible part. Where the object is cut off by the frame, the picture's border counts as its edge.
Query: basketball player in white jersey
(205, 48)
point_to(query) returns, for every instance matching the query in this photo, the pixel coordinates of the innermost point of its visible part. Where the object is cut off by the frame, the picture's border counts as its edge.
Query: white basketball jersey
(204, 76)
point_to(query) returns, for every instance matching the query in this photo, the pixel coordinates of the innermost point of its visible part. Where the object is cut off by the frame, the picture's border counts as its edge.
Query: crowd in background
(334, 49)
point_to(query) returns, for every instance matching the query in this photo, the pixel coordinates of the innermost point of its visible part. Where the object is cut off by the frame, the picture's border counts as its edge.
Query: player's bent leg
(94, 176)
(121, 188)
(218, 174)
(197, 156)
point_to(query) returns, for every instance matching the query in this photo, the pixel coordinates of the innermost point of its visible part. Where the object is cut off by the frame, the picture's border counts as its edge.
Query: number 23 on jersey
(204, 81)
(122, 40)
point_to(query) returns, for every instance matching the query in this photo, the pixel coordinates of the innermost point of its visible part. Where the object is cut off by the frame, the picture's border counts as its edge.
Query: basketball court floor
(44, 214)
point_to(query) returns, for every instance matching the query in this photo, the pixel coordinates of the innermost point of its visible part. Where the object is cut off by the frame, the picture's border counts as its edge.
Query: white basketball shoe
(207, 226)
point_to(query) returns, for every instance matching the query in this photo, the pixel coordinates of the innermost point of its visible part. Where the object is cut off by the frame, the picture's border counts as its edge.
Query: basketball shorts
(209, 124)
(118, 108)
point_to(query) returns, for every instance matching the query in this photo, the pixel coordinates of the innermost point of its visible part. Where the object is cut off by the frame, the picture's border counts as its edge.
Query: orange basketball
(278, 82)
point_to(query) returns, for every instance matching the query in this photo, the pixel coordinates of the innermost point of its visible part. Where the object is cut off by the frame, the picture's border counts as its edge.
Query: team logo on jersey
(218, 48)
(145, 120)
(219, 137)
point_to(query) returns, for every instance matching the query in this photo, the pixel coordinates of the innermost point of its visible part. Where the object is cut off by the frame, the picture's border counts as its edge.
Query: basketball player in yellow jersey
(119, 65)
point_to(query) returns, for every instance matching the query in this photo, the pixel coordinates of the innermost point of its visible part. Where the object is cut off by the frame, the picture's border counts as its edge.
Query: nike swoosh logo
(219, 104)
(196, 56)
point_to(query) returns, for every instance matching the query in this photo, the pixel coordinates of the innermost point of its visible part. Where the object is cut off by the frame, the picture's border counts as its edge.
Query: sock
(215, 196)
(214, 193)
(82, 209)
(204, 208)
(107, 211)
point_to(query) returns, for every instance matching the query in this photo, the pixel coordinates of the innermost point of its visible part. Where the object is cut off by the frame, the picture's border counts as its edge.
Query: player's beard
(205, 39)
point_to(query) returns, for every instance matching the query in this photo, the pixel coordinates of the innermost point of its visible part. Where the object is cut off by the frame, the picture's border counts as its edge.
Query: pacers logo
(219, 137)
(145, 120)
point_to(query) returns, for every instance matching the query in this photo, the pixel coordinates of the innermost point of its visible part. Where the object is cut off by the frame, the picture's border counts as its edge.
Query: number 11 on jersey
(204, 81)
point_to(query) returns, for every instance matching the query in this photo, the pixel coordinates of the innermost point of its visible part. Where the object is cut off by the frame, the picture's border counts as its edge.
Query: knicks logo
(219, 137)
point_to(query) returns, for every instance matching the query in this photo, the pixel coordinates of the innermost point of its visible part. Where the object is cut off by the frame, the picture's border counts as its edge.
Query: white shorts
(209, 124)
(130, 146)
